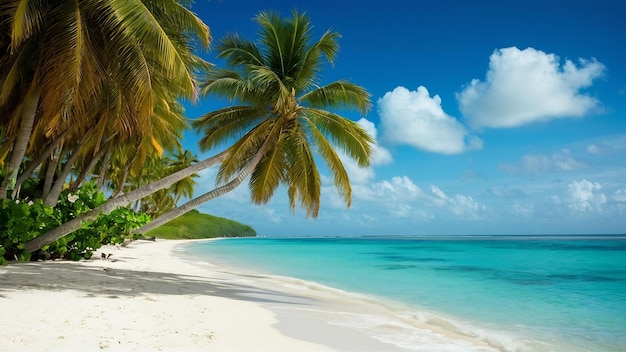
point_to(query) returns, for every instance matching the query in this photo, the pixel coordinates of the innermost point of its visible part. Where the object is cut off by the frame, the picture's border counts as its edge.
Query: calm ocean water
(518, 293)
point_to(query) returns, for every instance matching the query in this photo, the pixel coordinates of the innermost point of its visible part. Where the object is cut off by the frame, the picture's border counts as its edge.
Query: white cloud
(416, 119)
(620, 195)
(400, 188)
(402, 198)
(599, 149)
(562, 160)
(397, 197)
(460, 205)
(585, 196)
(525, 86)
(607, 145)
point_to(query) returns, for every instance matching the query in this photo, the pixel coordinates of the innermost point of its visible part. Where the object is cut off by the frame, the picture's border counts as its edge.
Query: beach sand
(146, 298)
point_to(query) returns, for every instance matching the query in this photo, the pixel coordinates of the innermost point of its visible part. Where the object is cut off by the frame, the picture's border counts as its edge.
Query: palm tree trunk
(215, 193)
(31, 101)
(53, 196)
(194, 203)
(120, 186)
(83, 174)
(35, 163)
(50, 171)
(104, 166)
(141, 192)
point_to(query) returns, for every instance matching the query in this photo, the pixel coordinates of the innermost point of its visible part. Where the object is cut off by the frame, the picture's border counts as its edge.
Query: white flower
(30, 203)
(72, 198)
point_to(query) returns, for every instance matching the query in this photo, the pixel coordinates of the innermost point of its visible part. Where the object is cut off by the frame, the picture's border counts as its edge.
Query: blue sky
(491, 117)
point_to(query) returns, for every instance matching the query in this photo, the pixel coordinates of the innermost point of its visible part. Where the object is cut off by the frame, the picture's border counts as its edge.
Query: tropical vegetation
(91, 103)
(90, 91)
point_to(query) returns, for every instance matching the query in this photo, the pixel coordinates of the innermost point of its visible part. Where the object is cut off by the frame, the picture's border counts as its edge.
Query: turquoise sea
(517, 293)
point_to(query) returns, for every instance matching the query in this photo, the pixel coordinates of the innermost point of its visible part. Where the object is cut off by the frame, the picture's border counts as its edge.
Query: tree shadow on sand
(115, 282)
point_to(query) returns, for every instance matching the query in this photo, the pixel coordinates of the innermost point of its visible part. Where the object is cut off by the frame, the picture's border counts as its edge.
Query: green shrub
(23, 220)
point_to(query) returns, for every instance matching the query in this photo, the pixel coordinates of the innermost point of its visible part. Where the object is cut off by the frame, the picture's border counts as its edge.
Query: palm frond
(303, 177)
(135, 20)
(311, 61)
(267, 175)
(230, 85)
(245, 148)
(344, 133)
(224, 124)
(28, 19)
(238, 52)
(272, 29)
(339, 94)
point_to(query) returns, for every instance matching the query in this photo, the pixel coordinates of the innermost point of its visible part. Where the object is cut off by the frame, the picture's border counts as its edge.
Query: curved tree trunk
(31, 101)
(104, 166)
(53, 163)
(53, 196)
(83, 174)
(143, 191)
(120, 186)
(196, 202)
(217, 192)
(35, 163)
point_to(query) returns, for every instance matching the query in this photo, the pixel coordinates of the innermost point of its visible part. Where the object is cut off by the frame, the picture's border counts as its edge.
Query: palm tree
(157, 168)
(283, 113)
(67, 64)
(112, 71)
(185, 187)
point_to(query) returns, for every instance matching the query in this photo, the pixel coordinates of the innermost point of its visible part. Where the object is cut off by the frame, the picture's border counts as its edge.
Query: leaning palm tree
(283, 114)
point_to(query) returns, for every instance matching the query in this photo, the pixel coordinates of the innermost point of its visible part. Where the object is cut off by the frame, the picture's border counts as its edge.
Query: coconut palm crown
(278, 104)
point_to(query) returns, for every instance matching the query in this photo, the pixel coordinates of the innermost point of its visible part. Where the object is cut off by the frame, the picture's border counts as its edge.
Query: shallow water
(534, 293)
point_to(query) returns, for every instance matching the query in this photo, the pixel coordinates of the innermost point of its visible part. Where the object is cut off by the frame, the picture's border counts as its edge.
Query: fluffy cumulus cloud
(459, 204)
(417, 119)
(524, 86)
(398, 189)
(586, 196)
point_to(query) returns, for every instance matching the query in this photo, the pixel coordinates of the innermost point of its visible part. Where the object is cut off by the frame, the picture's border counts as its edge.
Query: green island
(196, 225)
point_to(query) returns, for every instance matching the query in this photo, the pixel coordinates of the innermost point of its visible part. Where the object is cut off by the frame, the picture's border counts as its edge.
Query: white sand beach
(145, 298)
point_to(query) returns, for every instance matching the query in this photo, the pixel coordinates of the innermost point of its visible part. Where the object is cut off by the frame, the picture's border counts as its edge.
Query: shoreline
(147, 297)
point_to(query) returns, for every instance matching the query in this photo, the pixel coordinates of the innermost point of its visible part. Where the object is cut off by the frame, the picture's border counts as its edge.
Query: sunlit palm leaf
(346, 134)
(223, 125)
